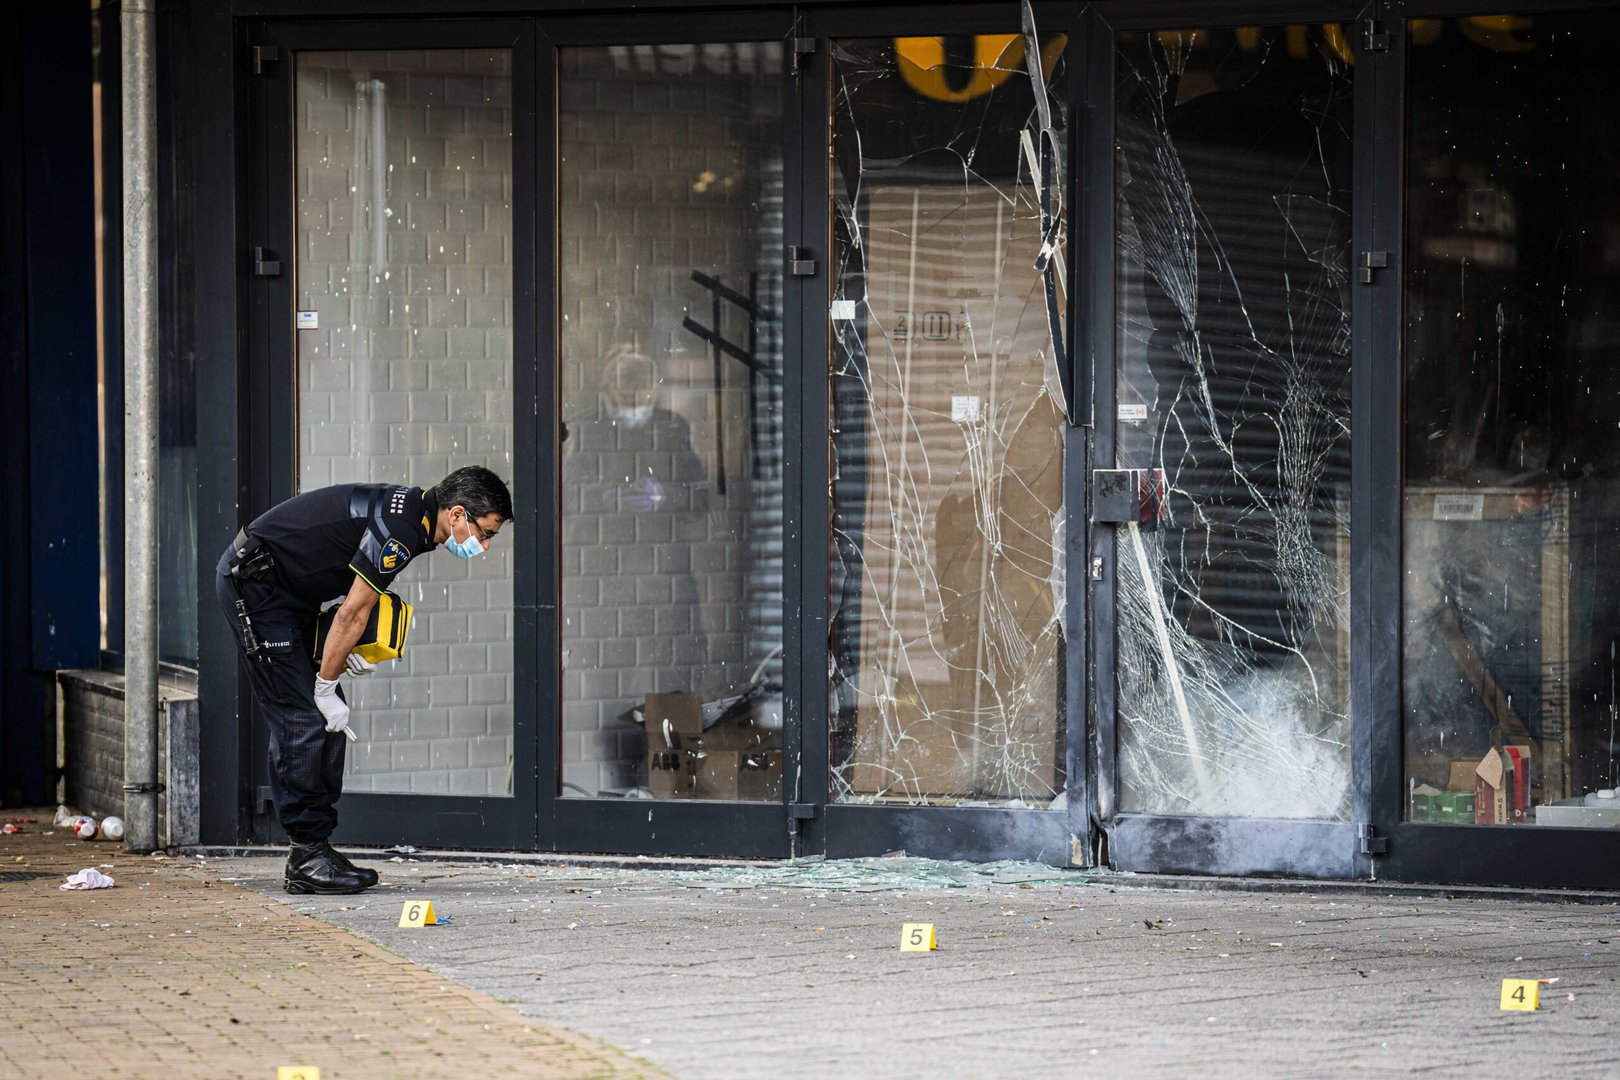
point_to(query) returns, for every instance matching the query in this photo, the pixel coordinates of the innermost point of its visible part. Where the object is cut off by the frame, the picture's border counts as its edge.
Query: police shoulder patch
(394, 556)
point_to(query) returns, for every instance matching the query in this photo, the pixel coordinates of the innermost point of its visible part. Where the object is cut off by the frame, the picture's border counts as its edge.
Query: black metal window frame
(220, 117)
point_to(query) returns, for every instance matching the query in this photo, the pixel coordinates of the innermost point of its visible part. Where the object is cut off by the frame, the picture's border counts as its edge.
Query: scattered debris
(88, 878)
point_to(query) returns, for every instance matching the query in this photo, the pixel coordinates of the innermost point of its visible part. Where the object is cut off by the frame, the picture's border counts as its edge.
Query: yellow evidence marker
(1521, 995)
(298, 1072)
(917, 937)
(417, 913)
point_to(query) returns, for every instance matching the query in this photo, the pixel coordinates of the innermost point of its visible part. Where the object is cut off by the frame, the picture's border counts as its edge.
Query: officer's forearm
(347, 626)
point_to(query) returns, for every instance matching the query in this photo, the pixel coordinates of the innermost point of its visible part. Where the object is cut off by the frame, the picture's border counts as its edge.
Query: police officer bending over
(349, 540)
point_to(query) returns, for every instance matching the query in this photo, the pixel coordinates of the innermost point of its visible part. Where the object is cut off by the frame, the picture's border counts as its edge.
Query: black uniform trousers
(306, 760)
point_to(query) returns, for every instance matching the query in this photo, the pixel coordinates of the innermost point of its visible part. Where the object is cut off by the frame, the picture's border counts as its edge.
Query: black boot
(367, 874)
(316, 868)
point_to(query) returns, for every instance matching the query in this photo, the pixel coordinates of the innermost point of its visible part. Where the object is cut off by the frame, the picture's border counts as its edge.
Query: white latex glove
(359, 665)
(332, 707)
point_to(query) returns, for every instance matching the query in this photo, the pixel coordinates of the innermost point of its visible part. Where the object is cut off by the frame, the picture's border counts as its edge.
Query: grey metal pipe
(139, 81)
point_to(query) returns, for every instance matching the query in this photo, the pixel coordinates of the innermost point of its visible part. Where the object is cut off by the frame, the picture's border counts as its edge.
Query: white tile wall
(407, 377)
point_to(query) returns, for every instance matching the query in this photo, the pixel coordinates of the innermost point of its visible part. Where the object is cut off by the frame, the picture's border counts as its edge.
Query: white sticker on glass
(1133, 412)
(965, 408)
(843, 310)
(309, 320)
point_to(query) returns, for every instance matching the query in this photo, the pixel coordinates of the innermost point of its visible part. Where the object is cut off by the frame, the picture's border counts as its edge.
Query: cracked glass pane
(1232, 173)
(946, 572)
(670, 256)
(1512, 458)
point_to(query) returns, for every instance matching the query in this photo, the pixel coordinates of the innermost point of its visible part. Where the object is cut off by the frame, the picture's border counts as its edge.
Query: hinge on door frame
(1374, 38)
(799, 262)
(801, 811)
(1370, 842)
(1371, 261)
(264, 54)
(265, 267)
(798, 49)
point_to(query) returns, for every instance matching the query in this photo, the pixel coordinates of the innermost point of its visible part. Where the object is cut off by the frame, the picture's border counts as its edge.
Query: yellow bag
(385, 633)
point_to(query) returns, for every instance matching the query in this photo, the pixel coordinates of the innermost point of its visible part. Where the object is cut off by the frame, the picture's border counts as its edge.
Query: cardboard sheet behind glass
(946, 574)
(404, 259)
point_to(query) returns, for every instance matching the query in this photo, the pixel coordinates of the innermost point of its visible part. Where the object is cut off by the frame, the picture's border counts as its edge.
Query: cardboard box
(761, 777)
(1492, 785)
(714, 773)
(686, 761)
(669, 775)
(1424, 807)
(1455, 807)
(671, 719)
(1461, 777)
(1519, 793)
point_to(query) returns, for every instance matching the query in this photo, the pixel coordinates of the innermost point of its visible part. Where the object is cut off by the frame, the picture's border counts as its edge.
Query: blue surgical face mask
(465, 549)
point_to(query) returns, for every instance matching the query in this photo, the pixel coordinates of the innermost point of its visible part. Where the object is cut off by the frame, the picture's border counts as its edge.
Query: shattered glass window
(1512, 452)
(404, 352)
(670, 262)
(1232, 177)
(946, 572)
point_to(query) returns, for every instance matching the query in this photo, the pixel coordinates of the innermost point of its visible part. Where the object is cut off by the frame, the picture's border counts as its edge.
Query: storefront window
(404, 292)
(1232, 173)
(670, 254)
(1510, 595)
(947, 575)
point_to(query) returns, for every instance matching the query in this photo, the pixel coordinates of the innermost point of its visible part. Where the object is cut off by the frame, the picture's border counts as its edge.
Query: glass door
(393, 267)
(1223, 546)
(947, 719)
(674, 460)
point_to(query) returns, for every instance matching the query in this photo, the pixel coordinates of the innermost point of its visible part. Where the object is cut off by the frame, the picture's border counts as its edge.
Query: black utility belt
(250, 559)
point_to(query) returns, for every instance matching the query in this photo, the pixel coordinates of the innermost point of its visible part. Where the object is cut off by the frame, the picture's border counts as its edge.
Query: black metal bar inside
(545, 451)
(806, 430)
(534, 550)
(1077, 451)
(1095, 340)
(223, 318)
(1375, 469)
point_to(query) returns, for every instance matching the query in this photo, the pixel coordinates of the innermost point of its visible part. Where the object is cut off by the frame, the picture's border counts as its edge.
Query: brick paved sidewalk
(174, 974)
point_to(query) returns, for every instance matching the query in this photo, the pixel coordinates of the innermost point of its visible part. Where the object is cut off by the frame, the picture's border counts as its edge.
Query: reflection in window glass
(670, 245)
(946, 500)
(404, 257)
(1232, 173)
(1512, 455)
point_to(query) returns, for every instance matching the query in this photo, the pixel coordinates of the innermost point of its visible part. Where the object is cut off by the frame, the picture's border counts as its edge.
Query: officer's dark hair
(477, 489)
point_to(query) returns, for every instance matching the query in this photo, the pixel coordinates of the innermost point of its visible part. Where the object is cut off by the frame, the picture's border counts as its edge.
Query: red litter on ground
(8, 828)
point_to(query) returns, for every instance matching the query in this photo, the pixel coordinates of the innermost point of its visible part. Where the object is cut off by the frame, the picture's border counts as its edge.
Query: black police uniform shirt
(322, 539)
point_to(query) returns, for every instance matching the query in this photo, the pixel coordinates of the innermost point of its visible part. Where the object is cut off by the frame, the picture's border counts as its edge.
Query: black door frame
(268, 370)
(1205, 845)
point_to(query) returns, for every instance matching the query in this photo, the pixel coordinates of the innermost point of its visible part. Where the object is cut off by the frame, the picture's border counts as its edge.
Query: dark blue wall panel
(63, 509)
